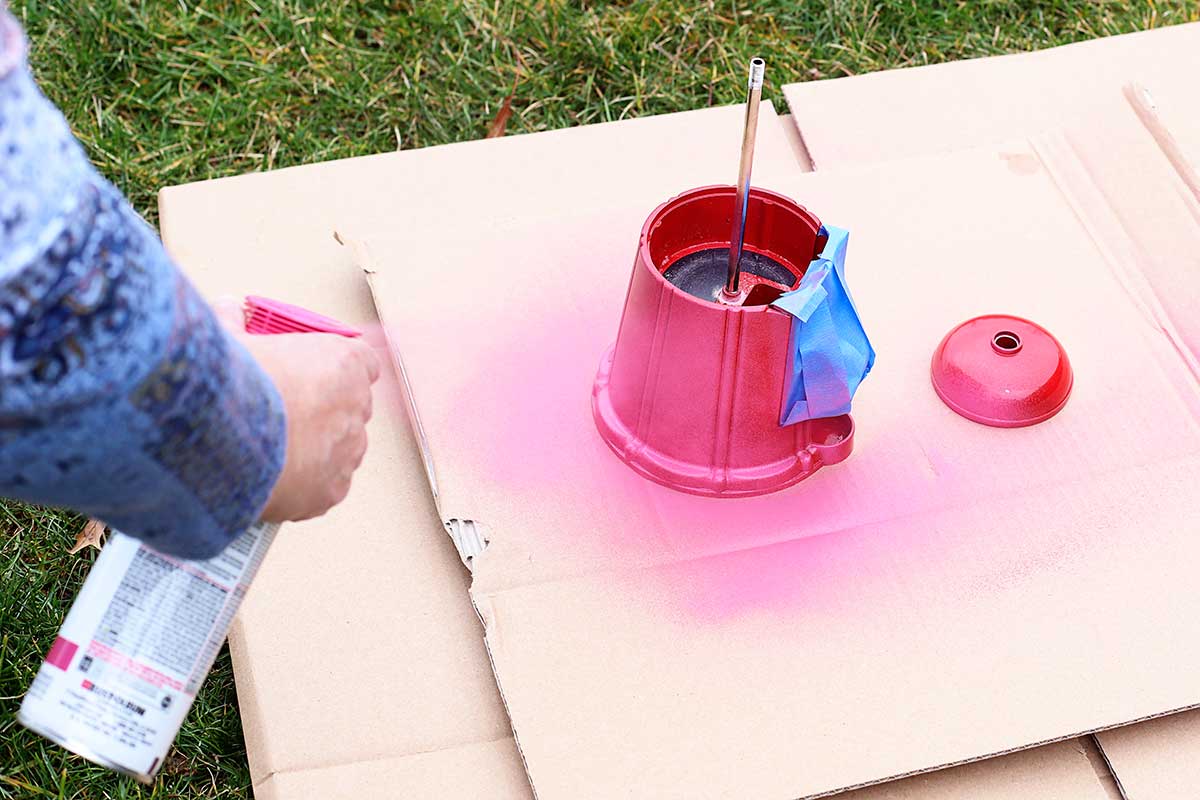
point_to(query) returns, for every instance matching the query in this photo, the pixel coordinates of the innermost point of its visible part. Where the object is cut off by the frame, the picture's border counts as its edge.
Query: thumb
(231, 314)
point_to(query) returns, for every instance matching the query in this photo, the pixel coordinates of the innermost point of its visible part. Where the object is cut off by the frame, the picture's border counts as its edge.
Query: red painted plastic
(689, 395)
(1002, 371)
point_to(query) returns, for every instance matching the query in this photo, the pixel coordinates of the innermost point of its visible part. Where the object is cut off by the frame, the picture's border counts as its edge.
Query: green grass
(168, 91)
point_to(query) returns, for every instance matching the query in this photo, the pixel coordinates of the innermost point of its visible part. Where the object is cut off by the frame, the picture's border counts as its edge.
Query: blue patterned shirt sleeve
(120, 394)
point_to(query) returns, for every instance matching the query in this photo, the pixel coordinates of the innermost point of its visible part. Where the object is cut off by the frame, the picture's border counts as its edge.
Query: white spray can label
(135, 648)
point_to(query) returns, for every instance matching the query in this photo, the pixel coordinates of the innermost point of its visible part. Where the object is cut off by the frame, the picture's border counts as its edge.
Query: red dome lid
(1002, 371)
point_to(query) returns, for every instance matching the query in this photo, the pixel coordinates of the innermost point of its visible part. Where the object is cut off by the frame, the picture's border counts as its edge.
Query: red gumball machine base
(690, 394)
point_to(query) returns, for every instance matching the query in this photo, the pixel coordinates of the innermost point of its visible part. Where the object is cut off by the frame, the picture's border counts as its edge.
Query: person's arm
(121, 395)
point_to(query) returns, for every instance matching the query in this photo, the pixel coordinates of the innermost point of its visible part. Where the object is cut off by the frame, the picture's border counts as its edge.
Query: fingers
(370, 361)
(374, 367)
(359, 448)
(365, 359)
(339, 489)
(325, 382)
(368, 407)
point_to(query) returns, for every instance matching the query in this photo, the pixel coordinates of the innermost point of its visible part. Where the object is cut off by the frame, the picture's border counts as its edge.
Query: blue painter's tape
(829, 353)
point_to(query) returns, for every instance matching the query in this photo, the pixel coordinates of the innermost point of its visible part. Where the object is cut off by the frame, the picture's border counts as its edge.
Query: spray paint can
(146, 627)
(135, 648)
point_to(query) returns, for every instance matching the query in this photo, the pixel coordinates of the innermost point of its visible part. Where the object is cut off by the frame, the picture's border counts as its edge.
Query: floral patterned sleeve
(120, 394)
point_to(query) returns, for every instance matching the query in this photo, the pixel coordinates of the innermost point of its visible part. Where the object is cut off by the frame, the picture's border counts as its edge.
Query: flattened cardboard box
(951, 592)
(349, 568)
(273, 228)
(271, 234)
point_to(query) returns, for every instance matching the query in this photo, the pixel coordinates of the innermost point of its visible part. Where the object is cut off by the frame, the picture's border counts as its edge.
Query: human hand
(325, 382)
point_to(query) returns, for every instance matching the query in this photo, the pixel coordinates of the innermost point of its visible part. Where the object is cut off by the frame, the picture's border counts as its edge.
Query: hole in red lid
(1006, 343)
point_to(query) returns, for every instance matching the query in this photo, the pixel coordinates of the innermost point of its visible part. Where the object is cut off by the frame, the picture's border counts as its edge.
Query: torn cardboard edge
(484, 615)
(467, 535)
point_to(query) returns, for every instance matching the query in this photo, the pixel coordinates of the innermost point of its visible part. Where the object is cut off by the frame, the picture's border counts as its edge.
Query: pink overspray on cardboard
(946, 566)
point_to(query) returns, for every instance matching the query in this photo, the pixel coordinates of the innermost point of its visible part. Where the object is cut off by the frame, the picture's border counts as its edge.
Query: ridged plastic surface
(689, 396)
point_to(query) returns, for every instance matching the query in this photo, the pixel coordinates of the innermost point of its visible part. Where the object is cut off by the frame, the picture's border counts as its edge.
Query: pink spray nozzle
(266, 316)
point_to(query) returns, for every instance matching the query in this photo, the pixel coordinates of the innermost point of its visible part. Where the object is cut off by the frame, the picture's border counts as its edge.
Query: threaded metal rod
(749, 132)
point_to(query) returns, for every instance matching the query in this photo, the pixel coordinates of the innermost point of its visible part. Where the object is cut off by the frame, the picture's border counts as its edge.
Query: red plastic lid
(1002, 371)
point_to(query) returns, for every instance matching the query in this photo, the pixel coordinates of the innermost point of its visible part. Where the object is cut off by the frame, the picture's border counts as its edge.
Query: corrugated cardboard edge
(1143, 104)
(472, 769)
(795, 138)
(362, 257)
(1100, 762)
(1098, 744)
(261, 761)
(467, 534)
(1105, 776)
(1156, 761)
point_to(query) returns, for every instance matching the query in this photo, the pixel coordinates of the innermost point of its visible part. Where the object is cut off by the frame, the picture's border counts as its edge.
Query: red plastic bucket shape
(690, 394)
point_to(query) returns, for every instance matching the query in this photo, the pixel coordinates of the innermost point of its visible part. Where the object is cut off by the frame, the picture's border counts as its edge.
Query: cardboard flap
(847, 122)
(1141, 209)
(1156, 760)
(1072, 769)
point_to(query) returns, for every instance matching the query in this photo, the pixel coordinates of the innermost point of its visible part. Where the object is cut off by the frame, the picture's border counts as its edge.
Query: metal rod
(749, 131)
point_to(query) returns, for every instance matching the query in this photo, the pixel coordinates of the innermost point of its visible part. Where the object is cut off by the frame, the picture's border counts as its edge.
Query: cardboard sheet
(946, 107)
(1156, 760)
(377, 598)
(273, 238)
(357, 654)
(986, 588)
